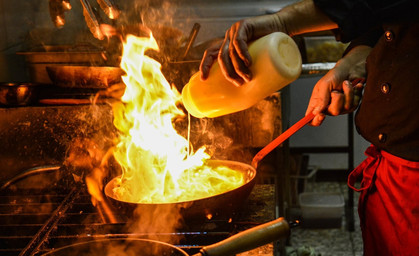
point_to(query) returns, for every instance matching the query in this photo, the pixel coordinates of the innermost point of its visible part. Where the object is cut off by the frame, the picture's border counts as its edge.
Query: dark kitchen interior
(58, 131)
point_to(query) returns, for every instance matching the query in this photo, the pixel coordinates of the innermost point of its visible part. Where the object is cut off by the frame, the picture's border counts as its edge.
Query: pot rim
(99, 241)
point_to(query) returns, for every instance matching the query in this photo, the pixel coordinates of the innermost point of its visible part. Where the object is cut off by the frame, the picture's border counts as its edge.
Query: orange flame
(156, 161)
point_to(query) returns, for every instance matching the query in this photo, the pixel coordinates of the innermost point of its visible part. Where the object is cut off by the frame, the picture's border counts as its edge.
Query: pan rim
(246, 167)
(63, 248)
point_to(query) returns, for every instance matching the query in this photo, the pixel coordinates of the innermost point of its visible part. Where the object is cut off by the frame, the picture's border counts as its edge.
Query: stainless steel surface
(317, 68)
(38, 58)
(84, 76)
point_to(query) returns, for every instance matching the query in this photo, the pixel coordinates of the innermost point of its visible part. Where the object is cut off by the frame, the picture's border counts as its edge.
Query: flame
(157, 165)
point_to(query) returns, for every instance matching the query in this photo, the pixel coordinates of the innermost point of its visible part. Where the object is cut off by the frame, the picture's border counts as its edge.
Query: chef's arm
(334, 93)
(232, 53)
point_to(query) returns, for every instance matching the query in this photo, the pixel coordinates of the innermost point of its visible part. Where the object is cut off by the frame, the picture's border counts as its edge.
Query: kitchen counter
(260, 209)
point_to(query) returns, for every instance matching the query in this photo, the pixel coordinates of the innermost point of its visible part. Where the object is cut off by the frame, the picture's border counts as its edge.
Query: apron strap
(366, 169)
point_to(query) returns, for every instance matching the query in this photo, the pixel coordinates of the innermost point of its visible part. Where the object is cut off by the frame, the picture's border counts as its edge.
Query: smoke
(219, 136)
(158, 221)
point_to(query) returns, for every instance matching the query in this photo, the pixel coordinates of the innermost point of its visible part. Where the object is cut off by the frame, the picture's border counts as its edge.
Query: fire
(157, 163)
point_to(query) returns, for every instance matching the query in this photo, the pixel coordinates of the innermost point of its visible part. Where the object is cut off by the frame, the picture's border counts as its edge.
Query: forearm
(294, 19)
(353, 63)
(303, 17)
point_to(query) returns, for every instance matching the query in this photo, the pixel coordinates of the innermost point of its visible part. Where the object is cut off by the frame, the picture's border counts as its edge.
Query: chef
(384, 39)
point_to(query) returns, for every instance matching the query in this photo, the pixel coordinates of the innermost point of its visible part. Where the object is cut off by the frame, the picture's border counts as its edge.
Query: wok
(222, 206)
(241, 242)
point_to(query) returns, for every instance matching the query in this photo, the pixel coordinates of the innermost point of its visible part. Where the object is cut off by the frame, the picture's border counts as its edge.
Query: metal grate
(43, 210)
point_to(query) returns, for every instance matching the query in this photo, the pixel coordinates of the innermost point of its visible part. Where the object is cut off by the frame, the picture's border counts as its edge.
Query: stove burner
(37, 217)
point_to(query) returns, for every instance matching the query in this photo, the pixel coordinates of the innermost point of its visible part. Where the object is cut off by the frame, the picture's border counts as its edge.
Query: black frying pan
(222, 206)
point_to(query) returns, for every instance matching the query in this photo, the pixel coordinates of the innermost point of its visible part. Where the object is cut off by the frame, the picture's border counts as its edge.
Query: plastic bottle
(276, 62)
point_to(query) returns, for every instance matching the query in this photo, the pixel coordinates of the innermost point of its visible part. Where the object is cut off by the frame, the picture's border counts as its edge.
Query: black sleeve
(356, 18)
(369, 38)
(353, 17)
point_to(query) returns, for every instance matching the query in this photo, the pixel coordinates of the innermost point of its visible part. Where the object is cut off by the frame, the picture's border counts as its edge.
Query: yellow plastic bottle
(276, 62)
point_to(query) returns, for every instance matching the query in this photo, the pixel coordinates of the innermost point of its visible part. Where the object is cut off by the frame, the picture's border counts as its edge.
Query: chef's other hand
(334, 94)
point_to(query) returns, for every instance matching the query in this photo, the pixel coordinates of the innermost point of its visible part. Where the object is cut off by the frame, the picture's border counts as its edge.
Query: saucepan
(222, 206)
(241, 242)
(18, 94)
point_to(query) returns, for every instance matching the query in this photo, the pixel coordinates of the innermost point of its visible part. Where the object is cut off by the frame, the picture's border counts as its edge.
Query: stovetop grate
(34, 221)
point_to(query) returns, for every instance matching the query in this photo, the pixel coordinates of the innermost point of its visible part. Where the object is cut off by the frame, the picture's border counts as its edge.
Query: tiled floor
(331, 241)
(324, 241)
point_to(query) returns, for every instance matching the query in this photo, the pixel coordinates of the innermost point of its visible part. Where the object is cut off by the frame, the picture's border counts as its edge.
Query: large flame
(156, 161)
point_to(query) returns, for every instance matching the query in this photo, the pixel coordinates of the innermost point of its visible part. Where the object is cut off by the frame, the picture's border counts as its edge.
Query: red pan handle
(290, 131)
(280, 139)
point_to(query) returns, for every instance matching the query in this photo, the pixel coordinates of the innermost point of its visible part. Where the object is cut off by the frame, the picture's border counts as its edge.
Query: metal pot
(222, 206)
(18, 94)
(38, 58)
(84, 76)
(241, 242)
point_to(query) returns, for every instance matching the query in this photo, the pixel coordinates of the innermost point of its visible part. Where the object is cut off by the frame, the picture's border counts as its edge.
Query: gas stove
(47, 207)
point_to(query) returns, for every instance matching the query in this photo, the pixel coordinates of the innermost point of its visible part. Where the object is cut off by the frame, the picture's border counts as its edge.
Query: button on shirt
(388, 115)
(388, 35)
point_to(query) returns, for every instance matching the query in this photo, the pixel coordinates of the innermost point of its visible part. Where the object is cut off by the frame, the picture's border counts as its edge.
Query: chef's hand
(232, 53)
(334, 94)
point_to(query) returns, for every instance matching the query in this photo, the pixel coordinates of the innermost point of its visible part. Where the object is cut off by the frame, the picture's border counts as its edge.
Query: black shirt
(388, 116)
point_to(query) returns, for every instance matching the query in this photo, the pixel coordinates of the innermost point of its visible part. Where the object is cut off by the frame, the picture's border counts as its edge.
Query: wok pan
(241, 242)
(222, 206)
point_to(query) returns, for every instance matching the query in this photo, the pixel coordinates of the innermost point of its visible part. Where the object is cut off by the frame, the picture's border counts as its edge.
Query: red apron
(388, 206)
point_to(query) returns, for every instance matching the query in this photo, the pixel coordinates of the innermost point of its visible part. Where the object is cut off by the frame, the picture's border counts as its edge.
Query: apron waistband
(369, 166)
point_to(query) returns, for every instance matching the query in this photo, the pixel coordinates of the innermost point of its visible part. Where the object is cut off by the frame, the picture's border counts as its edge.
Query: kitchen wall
(24, 24)
(27, 23)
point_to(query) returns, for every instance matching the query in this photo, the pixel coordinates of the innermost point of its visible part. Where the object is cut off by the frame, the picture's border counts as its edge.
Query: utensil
(191, 39)
(109, 8)
(91, 20)
(57, 9)
(280, 139)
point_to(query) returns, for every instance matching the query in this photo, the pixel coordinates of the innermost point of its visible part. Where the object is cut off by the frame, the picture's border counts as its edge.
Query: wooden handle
(249, 239)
